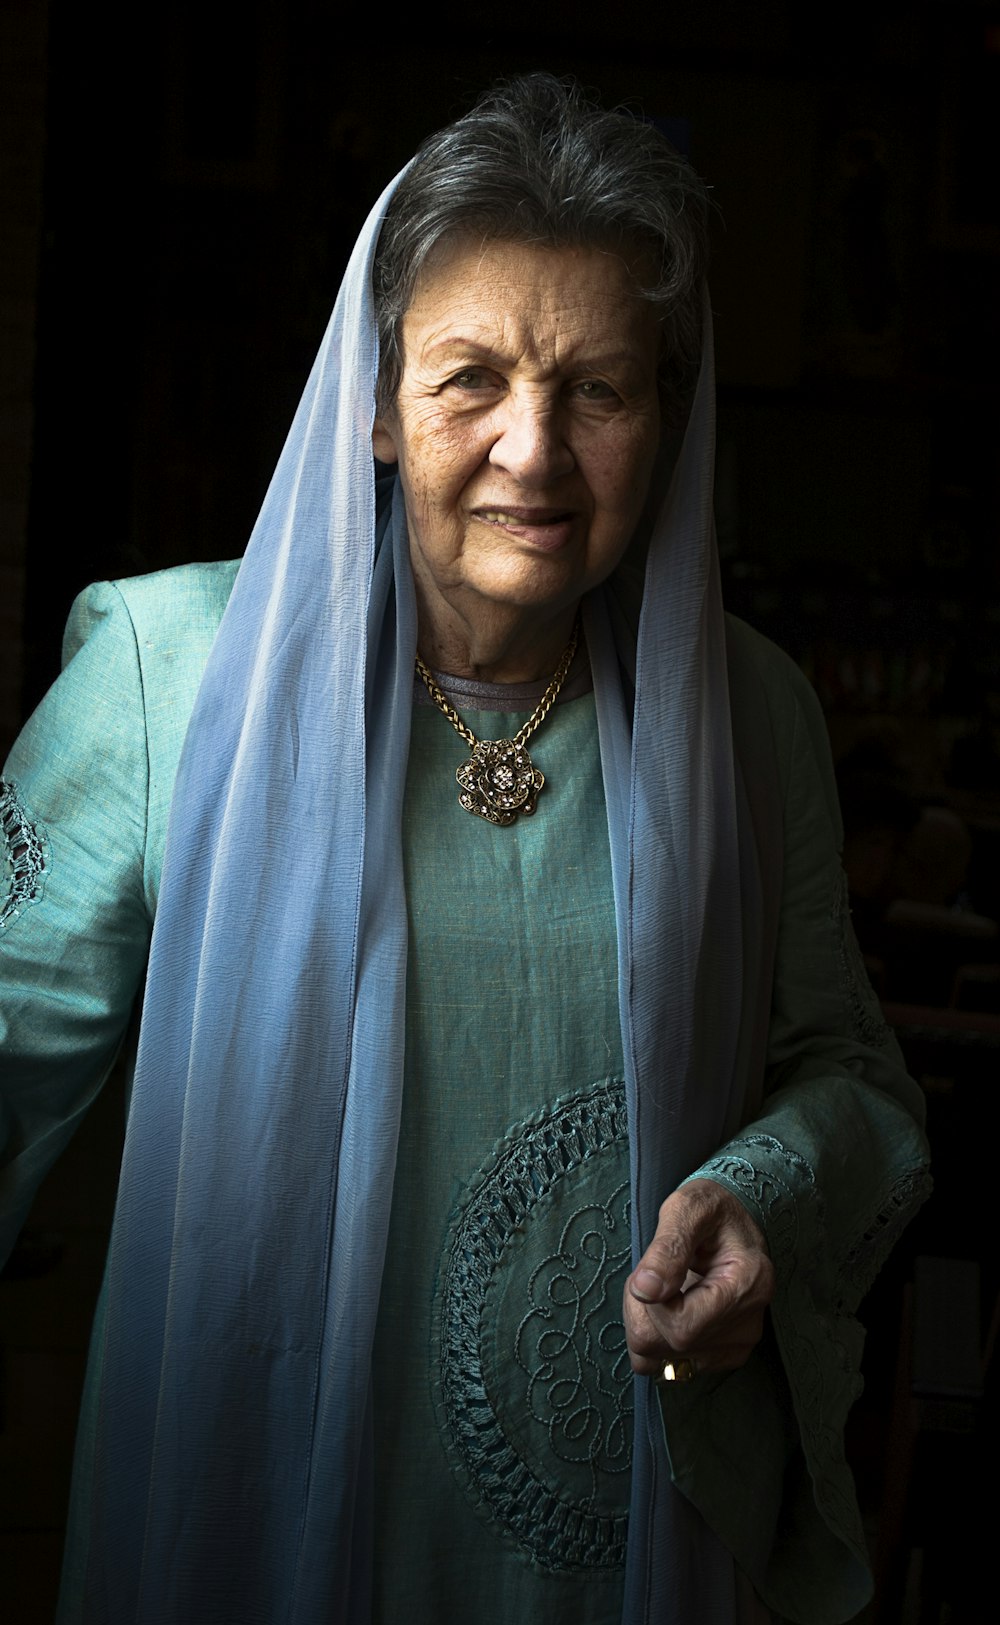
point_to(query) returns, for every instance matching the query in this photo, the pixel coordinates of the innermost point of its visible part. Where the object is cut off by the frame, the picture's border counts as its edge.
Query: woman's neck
(499, 645)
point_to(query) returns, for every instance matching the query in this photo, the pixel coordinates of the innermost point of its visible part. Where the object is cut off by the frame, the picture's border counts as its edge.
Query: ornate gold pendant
(499, 781)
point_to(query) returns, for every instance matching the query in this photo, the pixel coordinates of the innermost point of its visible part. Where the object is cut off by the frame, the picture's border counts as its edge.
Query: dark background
(181, 190)
(206, 173)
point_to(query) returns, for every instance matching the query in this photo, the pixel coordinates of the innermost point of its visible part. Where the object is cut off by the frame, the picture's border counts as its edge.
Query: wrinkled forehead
(532, 258)
(527, 297)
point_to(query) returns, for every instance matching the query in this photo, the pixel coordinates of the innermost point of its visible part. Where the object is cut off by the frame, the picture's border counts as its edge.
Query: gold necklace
(499, 780)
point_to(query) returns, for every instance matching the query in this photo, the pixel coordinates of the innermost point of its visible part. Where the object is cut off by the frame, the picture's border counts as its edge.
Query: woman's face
(525, 427)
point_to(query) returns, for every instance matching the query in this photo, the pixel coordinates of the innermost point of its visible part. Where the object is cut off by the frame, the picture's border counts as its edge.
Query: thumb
(663, 1268)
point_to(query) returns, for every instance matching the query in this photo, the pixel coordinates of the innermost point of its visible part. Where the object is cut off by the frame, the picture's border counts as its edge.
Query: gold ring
(678, 1371)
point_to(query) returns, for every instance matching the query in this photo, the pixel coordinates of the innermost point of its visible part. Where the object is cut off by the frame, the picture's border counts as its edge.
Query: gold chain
(537, 716)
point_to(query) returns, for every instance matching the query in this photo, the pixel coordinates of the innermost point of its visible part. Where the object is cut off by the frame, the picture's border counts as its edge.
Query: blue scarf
(233, 1459)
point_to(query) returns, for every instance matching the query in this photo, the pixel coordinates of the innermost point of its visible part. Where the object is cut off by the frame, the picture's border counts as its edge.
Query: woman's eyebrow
(476, 350)
(473, 348)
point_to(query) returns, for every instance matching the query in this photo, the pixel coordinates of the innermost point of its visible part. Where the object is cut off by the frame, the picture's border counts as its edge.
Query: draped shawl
(232, 1464)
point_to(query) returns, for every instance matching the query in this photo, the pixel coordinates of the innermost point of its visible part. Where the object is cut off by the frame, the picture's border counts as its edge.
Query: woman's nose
(531, 443)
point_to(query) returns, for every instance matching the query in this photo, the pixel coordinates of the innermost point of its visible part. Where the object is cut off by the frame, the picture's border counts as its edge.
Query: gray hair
(536, 162)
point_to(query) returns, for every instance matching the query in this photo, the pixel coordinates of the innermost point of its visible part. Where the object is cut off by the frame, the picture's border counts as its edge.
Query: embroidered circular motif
(535, 1389)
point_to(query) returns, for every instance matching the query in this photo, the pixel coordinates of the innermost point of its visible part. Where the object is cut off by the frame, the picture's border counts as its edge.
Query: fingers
(716, 1336)
(701, 1226)
(701, 1289)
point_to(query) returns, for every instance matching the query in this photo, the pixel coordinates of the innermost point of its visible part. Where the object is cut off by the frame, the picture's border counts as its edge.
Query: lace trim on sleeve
(763, 1190)
(820, 1340)
(25, 852)
(821, 1351)
(869, 1250)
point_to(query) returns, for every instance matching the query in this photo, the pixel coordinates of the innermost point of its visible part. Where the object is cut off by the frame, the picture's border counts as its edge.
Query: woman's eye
(594, 389)
(471, 378)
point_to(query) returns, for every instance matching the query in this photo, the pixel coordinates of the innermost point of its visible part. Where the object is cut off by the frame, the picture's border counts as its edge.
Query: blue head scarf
(231, 1474)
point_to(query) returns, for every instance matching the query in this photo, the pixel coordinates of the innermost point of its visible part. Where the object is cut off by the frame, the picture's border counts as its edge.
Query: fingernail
(647, 1285)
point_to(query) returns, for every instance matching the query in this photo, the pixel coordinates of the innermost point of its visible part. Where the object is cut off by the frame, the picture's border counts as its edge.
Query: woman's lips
(544, 528)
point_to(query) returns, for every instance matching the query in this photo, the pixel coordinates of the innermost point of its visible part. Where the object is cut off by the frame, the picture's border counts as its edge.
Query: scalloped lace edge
(25, 851)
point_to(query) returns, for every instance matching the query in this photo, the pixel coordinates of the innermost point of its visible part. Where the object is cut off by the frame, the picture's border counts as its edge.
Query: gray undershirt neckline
(465, 693)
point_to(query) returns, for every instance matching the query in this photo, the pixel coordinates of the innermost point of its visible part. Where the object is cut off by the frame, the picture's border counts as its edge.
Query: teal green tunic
(502, 1383)
(830, 1166)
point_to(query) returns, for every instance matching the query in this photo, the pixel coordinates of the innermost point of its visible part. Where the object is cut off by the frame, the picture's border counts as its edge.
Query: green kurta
(502, 1383)
(830, 1166)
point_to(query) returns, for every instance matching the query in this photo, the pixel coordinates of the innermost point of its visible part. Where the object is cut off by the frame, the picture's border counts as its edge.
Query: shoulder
(190, 590)
(138, 649)
(171, 613)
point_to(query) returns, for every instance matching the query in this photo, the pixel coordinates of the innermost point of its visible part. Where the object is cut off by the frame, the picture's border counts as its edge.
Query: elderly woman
(429, 1071)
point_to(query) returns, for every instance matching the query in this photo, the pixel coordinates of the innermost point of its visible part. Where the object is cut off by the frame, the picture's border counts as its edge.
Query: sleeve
(831, 1170)
(836, 1164)
(74, 916)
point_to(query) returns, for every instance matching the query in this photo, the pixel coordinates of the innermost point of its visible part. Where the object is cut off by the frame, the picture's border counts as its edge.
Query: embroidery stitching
(872, 1247)
(25, 849)
(821, 1405)
(576, 1316)
(769, 1194)
(572, 1325)
(775, 1201)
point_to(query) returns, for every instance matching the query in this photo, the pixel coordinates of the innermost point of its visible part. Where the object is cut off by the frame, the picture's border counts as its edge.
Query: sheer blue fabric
(233, 1471)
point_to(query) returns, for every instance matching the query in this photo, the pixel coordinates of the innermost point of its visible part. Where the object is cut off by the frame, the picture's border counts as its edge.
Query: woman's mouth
(545, 528)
